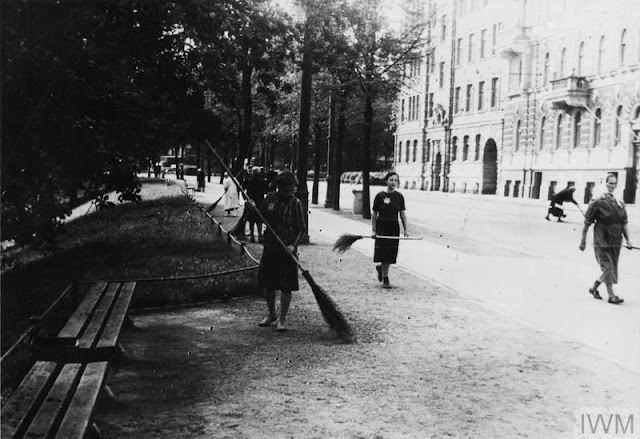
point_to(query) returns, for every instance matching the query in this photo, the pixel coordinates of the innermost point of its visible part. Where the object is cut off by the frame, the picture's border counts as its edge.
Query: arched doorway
(490, 168)
(436, 172)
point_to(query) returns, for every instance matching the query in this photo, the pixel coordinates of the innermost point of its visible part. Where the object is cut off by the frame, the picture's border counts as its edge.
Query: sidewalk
(428, 363)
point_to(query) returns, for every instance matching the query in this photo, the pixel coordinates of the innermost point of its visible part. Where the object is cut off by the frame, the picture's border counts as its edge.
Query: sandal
(615, 300)
(595, 294)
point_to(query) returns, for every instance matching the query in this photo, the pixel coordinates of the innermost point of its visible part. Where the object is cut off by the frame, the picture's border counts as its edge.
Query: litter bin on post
(357, 201)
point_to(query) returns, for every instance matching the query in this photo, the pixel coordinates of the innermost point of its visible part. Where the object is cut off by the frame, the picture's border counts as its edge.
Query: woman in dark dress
(610, 218)
(384, 221)
(278, 271)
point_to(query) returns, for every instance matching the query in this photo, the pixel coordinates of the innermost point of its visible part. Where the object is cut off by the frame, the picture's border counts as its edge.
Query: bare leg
(285, 301)
(270, 297)
(385, 275)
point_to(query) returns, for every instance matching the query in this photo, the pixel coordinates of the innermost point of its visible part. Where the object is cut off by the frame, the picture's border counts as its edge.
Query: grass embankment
(164, 236)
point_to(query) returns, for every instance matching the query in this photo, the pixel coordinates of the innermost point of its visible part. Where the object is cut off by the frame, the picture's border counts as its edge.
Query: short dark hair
(390, 174)
(285, 179)
(606, 180)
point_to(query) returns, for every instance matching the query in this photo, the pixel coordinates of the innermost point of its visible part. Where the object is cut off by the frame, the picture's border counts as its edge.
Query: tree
(378, 66)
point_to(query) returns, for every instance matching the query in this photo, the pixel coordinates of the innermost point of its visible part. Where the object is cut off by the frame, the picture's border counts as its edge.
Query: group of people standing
(277, 203)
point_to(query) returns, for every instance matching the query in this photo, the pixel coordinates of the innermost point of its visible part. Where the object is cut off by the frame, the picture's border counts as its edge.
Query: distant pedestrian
(256, 190)
(231, 202)
(201, 178)
(387, 205)
(559, 198)
(610, 218)
(278, 270)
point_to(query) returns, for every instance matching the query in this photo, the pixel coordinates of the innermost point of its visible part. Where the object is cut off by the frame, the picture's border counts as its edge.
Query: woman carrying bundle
(384, 221)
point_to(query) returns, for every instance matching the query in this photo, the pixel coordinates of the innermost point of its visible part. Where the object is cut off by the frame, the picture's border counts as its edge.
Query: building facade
(520, 98)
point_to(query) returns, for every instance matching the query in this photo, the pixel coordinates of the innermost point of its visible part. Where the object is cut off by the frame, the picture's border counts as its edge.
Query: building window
(545, 74)
(465, 148)
(577, 125)
(623, 46)
(494, 38)
(477, 157)
(430, 104)
(542, 133)
(517, 136)
(563, 57)
(617, 126)
(600, 54)
(399, 151)
(428, 151)
(432, 66)
(559, 131)
(456, 100)
(597, 128)
(407, 151)
(402, 110)
(441, 75)
(454, 148)
(483, 42)
(443, 35)
(580, 58)
(415, 150)
(467, 106)
(480, 94)
(470, 54)
(494, 92)
(458, 51)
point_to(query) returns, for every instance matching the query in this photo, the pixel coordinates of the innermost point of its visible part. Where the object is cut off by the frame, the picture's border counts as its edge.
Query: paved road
(503, 253)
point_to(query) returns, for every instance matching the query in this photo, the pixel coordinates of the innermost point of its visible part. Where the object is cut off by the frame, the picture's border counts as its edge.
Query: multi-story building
(520, 98)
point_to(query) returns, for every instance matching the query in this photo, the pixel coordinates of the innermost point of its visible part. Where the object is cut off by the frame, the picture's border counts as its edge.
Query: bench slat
(80, 317)
(90, 335)
(25, 400)
(78, 416)
(111, 332)
(56, 401)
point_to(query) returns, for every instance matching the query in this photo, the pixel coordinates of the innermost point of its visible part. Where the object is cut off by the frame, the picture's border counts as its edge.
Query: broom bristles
(344, 242)
(330, 311)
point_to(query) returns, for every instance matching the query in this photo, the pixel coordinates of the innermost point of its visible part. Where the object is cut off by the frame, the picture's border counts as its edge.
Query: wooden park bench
(92, 332)
(55, 400)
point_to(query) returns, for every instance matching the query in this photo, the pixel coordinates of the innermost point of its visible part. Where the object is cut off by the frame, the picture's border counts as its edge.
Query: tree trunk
(305, 118)
(337, 167)
(316, 164)
(247, 113)
(366, 152)
(331, 140)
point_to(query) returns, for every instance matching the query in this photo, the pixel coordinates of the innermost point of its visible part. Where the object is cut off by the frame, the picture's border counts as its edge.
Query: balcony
(516, 41)
(572, 91)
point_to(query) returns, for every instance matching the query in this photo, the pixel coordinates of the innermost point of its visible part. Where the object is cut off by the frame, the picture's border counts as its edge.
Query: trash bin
(357, 201)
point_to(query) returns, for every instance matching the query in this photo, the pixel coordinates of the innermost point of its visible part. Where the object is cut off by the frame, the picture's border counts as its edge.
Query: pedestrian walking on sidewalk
(278, 271)
(256, 190)
(610, 218)
(231, 201)
(559, 198)
(387, 205)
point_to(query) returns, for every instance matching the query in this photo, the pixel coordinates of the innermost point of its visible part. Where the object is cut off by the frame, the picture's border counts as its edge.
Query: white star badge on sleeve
(387, 201)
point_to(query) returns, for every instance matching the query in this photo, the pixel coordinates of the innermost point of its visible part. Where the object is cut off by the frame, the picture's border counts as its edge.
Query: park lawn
(165, 235)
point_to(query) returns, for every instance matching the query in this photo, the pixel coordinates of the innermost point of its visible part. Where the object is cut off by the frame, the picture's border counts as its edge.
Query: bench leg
(94, 431)
(108, 393)
(122, 353)
(128, 322)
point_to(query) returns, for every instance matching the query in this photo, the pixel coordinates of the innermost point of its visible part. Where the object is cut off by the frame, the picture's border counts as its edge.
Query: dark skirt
(277, 270)
(252, 214)
(386, 250)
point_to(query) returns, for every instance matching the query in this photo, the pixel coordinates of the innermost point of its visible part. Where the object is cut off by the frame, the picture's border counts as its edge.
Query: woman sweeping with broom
(384, 221)
(278, 270)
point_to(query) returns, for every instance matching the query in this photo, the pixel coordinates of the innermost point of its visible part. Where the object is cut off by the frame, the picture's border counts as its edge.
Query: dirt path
(428, 363)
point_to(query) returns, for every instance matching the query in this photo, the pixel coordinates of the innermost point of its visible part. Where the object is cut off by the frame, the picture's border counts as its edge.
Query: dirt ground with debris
(428, 363)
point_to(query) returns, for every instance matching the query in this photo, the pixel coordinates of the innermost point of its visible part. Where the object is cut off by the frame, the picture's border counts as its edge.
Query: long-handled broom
(328, 307)
(213, 206)
(344, 242)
